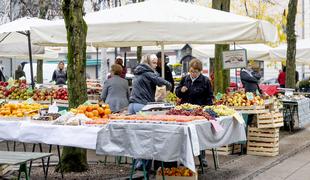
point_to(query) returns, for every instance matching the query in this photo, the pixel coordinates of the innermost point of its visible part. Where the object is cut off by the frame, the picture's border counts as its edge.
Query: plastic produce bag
(161, 93)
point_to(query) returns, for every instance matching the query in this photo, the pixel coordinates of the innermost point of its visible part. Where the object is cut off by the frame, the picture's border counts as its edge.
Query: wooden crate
(5, 169)
(269, 120)
(226, 150)
(251, 109)
(263, 142)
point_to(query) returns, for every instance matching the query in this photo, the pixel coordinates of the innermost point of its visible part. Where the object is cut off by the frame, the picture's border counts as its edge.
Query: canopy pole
(97, 55)
(162, 60)
(30, 58)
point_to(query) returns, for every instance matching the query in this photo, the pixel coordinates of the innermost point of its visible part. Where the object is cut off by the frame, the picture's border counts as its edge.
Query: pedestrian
(19, 72)
(60, 74)
(281, 77)
(168, 73)
(195, 88)
(116, 90)
(143, 91)
(250, 79)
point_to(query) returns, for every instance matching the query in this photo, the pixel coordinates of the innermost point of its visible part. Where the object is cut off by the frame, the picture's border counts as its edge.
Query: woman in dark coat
(19, 72)
(195, 88)
(60, 74)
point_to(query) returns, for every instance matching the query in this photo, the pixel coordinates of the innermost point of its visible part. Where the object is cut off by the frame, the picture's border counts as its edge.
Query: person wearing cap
(60, 74)
(119, 61)
(168, 73)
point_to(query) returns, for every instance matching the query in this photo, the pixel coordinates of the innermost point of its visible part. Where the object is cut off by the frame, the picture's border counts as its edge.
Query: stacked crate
(263, 138)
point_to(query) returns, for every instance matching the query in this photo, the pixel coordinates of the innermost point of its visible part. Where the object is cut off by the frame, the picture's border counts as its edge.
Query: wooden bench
(21, 159)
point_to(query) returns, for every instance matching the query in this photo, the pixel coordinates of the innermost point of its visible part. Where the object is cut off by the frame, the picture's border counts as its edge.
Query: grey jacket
(116, 93)
(250, 80)
(144, 84)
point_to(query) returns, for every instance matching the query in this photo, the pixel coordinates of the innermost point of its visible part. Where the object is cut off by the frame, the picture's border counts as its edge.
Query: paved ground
(293, 163)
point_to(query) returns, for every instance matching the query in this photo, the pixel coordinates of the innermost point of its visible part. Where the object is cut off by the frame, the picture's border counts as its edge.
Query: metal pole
(30, 59)
(236, 69)
(162, 60)
(97, 55)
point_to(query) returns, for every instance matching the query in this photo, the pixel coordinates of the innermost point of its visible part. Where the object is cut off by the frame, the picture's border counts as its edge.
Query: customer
(143, 91)
(250, 79)
(281, 77)
(144, 84)
(116, 90)
(119, 61)
(195, 88)
(19, 72)
(60, 74)
(168, 73)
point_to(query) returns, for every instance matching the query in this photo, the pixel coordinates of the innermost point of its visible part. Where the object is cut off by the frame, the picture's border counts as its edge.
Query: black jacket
(168, 75)
(199, 92)
(144, 85)
(19, 74)
(60, 76)
(249, 82)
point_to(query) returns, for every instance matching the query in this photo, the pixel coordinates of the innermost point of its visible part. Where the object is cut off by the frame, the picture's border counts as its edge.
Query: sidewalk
(248, 167)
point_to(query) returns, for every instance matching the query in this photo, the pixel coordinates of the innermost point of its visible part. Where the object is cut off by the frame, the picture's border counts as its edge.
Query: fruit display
(176, 171)
(20, 109)
(241, 99)
(43, 95)
(156, 118)
(93, 111)
(194, 112)
(220, 110)
(171, 98)
(3, 86)
(16, 93)
(61, 94)
(187, 106)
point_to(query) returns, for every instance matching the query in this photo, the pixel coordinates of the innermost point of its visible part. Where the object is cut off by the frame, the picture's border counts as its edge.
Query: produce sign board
(234, 59)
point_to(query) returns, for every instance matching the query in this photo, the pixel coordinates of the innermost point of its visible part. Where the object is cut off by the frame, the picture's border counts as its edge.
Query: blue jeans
(133, 108)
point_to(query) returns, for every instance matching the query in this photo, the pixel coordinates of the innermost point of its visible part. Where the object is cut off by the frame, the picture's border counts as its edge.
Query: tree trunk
(291, 45)
(139, 53)
(75, 159)
(221, 76)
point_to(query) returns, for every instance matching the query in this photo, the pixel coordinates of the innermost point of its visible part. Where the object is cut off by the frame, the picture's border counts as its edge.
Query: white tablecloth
(166, 142)
(29, 132)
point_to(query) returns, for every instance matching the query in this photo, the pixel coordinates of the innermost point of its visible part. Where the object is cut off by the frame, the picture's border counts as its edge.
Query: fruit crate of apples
(245, 102)
(176, 173)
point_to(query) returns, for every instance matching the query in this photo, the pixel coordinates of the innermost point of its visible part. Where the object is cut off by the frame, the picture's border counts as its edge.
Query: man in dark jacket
(168, 73)
(250, 79)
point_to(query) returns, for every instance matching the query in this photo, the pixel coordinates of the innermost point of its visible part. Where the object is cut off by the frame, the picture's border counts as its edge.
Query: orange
(95, 113)
(96, 106)
(107, 111)
(82, 108)
(80, 111)
(89, 108)
(101, 110)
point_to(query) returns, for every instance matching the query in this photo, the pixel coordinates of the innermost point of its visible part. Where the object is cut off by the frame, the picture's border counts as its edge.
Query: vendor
(168, 73)
(195, 88)
(60, 74)
(250, 79)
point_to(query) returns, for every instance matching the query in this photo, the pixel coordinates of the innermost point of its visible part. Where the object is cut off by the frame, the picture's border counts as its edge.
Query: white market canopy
(14, 44)
(254, 51)
(302, 52)
(161, 22)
